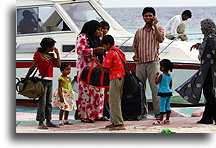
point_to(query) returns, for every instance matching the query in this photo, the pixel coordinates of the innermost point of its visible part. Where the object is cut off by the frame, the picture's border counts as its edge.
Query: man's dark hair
(64, 65)
(108, 39)
(187, 13)
(148, 9)
(45, 43)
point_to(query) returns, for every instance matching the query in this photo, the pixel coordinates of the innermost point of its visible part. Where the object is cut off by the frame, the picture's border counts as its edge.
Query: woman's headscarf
(89, 29)
(104, 23)
(208, 27)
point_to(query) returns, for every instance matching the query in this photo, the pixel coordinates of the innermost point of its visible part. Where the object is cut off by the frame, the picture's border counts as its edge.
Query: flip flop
(53, 125)
(104, 118)
(89, 121)
(117, 128)
(158, 122)
(68, 123)
(43, 127)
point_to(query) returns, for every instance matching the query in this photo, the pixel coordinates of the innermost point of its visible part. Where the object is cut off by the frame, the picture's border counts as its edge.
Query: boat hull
(181, 72)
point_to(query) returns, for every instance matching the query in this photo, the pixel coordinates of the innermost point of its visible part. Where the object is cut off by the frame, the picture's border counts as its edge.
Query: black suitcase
(132, 106)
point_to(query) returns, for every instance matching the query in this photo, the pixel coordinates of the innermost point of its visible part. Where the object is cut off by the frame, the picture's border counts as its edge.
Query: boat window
(68, 48)
(27, 48)
(39, 20)
(81, 12)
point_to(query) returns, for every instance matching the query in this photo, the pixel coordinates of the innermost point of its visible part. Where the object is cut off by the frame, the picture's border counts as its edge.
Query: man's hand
(194, 46)
(155, 21)
(135, 58)
(156, 75)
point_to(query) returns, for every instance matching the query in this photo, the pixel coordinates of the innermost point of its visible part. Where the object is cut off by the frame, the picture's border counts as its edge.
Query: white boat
(63, 20)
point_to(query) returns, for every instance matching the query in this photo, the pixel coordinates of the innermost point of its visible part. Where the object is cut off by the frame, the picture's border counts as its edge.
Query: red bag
(95, 76)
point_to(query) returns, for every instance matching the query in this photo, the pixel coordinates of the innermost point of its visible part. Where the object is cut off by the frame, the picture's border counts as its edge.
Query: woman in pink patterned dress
(90, 99)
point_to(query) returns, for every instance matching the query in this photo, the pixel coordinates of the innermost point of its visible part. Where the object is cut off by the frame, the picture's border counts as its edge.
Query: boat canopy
(58, 16)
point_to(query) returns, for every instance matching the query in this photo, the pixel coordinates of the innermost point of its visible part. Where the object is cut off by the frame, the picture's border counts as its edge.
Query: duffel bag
(95, 77)
(31, 87)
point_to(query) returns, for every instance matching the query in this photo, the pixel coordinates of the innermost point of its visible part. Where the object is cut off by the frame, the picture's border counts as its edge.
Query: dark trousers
(44, 109)
(208, 90)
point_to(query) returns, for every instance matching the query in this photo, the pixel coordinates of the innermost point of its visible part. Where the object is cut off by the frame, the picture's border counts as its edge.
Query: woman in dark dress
(204, 79)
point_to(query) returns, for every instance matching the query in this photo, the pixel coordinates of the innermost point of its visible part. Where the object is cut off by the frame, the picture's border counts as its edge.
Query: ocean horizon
(131, 19)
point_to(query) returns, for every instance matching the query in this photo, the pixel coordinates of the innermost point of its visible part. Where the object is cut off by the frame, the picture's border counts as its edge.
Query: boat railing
(192, 37)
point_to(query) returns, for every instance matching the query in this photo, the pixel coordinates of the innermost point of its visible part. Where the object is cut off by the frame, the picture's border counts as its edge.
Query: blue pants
(165, 104)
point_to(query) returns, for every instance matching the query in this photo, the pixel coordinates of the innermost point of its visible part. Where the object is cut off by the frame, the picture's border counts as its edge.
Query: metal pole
(167, 46)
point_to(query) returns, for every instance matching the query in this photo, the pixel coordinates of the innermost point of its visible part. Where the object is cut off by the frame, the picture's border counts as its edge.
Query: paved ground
(181, 122)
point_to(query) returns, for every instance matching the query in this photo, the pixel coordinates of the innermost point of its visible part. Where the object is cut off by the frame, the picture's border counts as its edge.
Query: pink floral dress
(90, 99)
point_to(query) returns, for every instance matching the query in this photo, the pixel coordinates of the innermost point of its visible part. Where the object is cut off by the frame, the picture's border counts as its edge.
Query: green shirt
(65, 84)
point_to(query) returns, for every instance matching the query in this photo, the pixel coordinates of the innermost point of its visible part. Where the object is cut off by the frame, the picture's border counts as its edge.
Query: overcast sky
(156, 3)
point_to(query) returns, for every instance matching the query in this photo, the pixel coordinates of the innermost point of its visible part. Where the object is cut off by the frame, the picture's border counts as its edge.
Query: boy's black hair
(108, 39)
(168, 65)
(104, 23)
(64, 65)
(148, 9)
(45, 43)
(187, 13)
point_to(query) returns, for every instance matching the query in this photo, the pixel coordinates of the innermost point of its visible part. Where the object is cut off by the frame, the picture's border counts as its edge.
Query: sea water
(131, 18)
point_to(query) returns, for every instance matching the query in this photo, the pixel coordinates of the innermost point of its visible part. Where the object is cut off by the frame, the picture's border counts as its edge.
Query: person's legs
(180, 30)
(167, 107)
(41, 107)
(115, 94)
(61, 112)
(48, 107)
(209, 112)
(48, 103)
(106, 112)
(66, 115)
(142, 75)
(171, 37)
(66, 122)
(162, 112)
(162, 107)
(152, 69)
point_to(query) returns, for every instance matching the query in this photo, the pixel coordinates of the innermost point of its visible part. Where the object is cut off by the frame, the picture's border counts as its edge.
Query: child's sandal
(60, 123)
(158, 122)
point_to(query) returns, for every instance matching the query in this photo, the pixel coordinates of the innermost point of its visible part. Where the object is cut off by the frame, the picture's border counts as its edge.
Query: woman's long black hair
(89, 29)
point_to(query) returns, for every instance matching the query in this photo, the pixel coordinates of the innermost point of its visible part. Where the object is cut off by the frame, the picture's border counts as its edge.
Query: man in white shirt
(176, 26)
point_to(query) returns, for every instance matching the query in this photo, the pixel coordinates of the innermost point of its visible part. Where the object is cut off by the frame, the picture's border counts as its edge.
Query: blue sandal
(53, 125)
